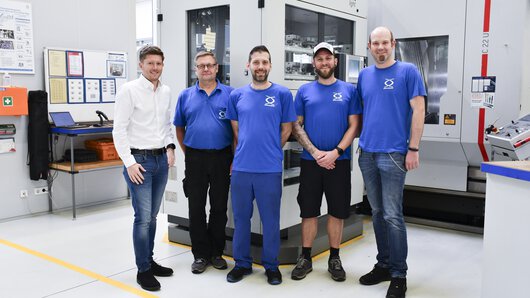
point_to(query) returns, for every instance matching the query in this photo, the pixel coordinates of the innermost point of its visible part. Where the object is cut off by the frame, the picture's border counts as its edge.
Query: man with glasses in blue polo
(205, 137)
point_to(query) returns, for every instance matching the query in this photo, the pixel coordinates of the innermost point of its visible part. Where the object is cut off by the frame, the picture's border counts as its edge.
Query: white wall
(75, 24)
(525, 81)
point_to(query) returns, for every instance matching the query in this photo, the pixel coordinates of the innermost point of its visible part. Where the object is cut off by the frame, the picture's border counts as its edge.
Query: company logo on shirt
(270, 101)
(337, 96)
(389, 83)
(222, 114)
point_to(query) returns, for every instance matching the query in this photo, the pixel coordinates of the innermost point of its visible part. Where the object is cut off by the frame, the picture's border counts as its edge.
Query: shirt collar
(217, 87)
(147, 84)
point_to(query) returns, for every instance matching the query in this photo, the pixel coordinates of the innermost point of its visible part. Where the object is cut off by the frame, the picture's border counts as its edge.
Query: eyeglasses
(205, 66)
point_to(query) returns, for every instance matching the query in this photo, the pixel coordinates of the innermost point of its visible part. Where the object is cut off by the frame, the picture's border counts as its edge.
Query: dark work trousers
(207, 173)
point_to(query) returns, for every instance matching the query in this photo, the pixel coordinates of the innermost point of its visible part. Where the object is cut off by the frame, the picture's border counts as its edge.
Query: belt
(226, 149)
(155, 152)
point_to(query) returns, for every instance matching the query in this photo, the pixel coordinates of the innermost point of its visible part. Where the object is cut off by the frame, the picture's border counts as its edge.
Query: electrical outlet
(23, 193)
(40, 190)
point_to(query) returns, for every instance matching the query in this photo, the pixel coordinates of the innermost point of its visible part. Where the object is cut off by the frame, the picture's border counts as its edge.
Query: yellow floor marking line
(166, 240)
(78, 269)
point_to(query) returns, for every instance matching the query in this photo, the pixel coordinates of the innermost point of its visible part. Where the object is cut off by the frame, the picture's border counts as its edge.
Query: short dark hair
(204, 54)
(150, 50)
(260, 48)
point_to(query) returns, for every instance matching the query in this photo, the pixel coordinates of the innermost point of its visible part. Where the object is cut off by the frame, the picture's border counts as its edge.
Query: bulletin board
(16, 37)
(81, 80)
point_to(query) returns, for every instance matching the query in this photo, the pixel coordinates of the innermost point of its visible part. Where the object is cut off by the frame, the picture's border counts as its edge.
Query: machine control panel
(512, 140)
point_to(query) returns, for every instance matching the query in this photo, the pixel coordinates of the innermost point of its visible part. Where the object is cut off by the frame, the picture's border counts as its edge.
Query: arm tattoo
(302, 138)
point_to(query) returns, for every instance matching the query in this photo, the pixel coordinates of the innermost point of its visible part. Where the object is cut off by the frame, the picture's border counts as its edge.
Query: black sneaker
(397, 288)
(147, 281)
(218, 263)
(199, 265)
(237, 274)
(274, 277)
(302, 268)
(377, 275)
(336, 270)
(160, 270)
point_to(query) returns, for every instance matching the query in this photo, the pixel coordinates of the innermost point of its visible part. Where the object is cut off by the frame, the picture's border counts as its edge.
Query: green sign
(7, 101)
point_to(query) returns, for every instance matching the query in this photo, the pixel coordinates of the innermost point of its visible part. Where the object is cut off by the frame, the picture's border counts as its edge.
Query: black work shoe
(302, 268)
(199, 265)
(160, 270)
(274, 277)
(336, 270)
(218, 263)
(147, 281)
(237, 274)
(397, 288)
(377, 275)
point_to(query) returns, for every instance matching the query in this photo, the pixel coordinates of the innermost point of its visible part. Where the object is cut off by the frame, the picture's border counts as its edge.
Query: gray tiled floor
(98, 262)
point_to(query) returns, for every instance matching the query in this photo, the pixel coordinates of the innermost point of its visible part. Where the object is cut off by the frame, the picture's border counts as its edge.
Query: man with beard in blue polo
(262, 114)
(329, 110)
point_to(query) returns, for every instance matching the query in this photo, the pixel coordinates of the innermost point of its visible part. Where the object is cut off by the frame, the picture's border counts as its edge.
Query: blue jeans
(384, 178)
(267, 189)
(146, 200)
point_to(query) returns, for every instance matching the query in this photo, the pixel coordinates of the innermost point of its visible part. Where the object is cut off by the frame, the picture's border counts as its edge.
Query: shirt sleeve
(169, 139)
(288, 112)
(180, 119)
(123, 108)
(299, 103)
(415, 84)
(355, 107)
(231, 110)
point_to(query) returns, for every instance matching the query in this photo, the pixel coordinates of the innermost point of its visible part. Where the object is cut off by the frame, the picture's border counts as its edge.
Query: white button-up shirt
(142, 118)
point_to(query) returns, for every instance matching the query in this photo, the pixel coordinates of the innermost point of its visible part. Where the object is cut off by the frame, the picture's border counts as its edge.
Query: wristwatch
(339, 150)
(414, 149)
(171, 146)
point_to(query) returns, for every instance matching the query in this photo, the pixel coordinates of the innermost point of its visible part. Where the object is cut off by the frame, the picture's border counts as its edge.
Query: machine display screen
(354, 67)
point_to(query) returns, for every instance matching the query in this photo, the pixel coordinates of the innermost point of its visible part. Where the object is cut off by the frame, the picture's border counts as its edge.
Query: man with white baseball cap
(329, 111)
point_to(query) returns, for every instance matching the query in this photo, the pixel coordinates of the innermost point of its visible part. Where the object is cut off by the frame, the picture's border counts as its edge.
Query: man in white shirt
(143, 139)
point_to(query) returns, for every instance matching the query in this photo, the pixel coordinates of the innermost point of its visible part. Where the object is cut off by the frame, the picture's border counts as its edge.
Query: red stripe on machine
(484, 68)
(484, 72)
(487, 9)
(480, 140)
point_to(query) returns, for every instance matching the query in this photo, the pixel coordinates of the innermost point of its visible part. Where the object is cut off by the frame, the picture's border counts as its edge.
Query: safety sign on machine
(482, 91)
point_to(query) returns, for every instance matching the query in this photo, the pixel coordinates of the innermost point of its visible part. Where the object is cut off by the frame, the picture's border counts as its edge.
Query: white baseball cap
(323, 45)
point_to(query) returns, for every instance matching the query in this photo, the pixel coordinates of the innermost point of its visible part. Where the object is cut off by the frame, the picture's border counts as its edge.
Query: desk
(71, 167)
(506, 236)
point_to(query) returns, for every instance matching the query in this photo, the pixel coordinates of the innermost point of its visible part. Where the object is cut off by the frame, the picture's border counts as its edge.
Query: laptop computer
(65, 120)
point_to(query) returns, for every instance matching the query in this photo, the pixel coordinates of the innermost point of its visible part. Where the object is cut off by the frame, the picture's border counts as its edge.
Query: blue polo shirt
(260, 114)
(204, 117)
(387, 115)
(326, 109)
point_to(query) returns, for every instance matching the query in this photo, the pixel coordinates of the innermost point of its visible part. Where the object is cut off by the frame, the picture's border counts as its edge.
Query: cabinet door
(292, 28)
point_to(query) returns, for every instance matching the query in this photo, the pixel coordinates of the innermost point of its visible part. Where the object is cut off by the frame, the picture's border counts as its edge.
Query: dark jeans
(146, 199)
(384, 178)
(207, 173)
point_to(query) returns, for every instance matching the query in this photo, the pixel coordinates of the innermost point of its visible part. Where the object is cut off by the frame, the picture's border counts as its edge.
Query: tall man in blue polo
(143, 139)
(329, 110)
(205, 136)
(262, 114)
(393, 96)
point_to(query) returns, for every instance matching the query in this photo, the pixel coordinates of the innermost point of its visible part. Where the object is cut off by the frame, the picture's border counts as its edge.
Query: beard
(260, 78)
(325, 74)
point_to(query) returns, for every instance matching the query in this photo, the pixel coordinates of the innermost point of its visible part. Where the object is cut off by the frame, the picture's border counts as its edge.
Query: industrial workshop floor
(54, 256)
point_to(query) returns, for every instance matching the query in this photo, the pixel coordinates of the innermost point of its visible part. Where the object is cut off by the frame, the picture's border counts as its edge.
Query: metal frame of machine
(251, 25)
